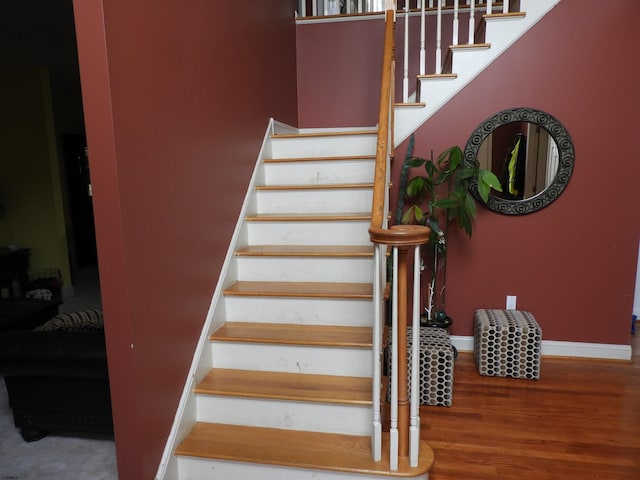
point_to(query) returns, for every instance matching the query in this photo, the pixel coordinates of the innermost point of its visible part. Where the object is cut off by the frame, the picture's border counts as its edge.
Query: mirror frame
(566, 161)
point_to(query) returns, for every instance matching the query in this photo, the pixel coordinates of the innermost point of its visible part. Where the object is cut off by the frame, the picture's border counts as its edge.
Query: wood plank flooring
(580, 420)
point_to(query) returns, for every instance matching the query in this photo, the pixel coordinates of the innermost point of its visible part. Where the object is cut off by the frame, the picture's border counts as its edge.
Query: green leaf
(490, 179)
(407, 217)
(430, 168)
(483, 190)
(465, 222)
(466, 172)
(486, 181)
(416, 162)
(416, 187)
(455, 157)
(419, 215)
(445, 203)
(470, 206)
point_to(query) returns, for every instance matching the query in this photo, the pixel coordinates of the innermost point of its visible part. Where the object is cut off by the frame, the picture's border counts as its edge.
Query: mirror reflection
(523, 156)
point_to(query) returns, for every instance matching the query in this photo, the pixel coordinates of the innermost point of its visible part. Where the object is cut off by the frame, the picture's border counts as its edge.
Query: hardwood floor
(580, 420)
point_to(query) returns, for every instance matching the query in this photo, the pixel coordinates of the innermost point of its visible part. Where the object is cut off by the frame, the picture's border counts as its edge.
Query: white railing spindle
(505, 6)
(314, 7)
(489, 7)
(439, 40)
(472, 22)
(414, 426)
(423, 40)
(378, 301)
(455, 22)
(393, 431)
(405, 68)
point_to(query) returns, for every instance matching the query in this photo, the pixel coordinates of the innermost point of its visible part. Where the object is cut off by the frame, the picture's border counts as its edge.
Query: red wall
(177, 97)
(339, 67)
(572, 264)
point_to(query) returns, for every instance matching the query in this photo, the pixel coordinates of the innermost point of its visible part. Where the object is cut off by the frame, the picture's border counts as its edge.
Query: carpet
(53, 457)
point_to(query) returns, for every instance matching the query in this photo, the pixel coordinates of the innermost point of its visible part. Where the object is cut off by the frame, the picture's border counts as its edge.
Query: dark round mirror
(529, 151)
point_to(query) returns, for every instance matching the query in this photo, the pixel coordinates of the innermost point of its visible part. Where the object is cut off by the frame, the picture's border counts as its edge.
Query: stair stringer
(501, 33)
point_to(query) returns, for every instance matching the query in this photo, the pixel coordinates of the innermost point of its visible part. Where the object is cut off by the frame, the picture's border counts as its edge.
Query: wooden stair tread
(298, 449)
(330, 133)
(287, 386)
(294, 334)
(327, 186)
(319, 159)
(410, 104)
(306, 251)
(470, 46)
(301, 289)
(490, 16)
(443, 76)
(309, 217)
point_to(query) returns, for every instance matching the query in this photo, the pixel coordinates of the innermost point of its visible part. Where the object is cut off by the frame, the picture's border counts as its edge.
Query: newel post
(401, 238)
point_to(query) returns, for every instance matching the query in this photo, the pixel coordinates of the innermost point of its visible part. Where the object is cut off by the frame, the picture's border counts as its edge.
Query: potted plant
(438, 198)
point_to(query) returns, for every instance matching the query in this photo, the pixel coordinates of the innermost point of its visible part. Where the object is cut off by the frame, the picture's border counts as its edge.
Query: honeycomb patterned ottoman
(507, 343)
(435, 366)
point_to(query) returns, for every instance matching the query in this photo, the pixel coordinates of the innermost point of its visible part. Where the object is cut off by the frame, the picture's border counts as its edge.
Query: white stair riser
(305, 269)
(499, 31)
(315, 201)
(209, 469)
(352, 232)
(323, 146)
(353, 362)
(319, 172)
(285, 414)
(470, 61)
(302, 311)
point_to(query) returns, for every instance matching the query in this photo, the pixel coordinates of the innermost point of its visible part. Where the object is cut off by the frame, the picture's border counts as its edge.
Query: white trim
(177, 429)
(554, 348)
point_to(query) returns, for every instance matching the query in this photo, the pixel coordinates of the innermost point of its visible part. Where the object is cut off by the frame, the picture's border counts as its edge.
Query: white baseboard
(553, 348)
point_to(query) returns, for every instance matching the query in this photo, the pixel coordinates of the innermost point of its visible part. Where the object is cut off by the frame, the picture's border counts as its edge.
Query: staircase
(497, 32)
(285, 385)
(281, 383)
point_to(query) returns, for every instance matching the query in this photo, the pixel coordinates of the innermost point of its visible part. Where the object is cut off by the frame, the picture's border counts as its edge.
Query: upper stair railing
(453, 11)
(404, 412)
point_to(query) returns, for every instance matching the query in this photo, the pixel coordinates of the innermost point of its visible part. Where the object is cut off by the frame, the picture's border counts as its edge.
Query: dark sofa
(56, 377)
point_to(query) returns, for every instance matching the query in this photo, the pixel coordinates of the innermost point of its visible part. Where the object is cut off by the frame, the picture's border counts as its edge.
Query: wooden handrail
(404, 440)
(385, 123)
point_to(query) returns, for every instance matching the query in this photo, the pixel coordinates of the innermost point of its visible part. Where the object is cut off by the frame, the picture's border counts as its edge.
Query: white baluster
(314, 8)
(360, 10)
(489, 7)
(439, 40)
(405, 78)
(376, 438)
(430, 3)
(393, 431)
(505, 6)
(423, 34)
(414, 426)
(472, 22)
(455, 21)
